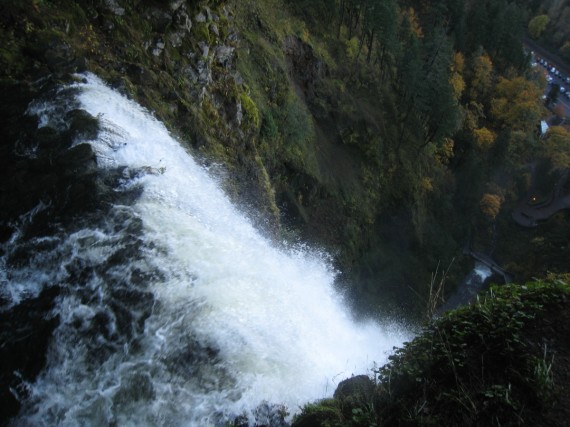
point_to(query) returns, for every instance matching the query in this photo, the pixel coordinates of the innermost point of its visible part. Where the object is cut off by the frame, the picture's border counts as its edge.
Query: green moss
(201, 31)
(251, 113)
(323, 413)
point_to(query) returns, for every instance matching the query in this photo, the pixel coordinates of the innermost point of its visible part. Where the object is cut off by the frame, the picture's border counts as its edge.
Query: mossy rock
(324, 413)
(201, 31)
(250, 110)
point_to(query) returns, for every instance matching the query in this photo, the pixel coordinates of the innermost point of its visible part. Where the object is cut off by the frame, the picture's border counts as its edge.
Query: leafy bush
(479, 365)
(474, 366)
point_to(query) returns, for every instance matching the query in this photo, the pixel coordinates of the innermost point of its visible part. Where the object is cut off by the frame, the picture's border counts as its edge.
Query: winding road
(528, 214)
(556, 62)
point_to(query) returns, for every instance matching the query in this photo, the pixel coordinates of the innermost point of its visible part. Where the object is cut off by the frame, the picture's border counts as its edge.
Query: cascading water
(175, 310)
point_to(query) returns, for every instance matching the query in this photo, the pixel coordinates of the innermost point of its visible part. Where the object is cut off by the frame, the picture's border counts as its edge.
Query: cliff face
(246, 86)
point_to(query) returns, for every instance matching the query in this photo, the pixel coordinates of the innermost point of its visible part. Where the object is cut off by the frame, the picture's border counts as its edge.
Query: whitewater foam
(221, 320)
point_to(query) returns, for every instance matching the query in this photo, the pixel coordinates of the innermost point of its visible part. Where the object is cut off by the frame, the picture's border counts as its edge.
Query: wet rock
(77, 159)
(205, 49)
(239, 113)
(190, 74)
(160, 20)
(60, 59)
(114, 7)
(175, 4)
(83, 126)
(233, 38)
(238, 78)
(25, 333)
(200, 18)
(176, 38)
(307, 69)
(140, 75)
(158, 48)
(224, 55)
(204, 73)
(357, 389)
(208, 14)
(182, 20)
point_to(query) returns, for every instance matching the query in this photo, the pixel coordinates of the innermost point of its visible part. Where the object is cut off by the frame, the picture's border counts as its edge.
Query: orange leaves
(490, 205)
(484, 137)
(481, 78)
(456, 78)
(414, 21)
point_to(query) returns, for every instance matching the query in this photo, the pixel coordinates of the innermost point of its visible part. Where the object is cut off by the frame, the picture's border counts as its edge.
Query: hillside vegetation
(389, 133)
(502, 361)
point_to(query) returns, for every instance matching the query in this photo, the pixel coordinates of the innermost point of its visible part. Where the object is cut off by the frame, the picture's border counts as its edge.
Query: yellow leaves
(457, 84)
(484, 137)
(445, 153)
(481, 77)
(474, 112)
(456, 79)
(490, 205)
(426, 184)
(458, 64)
(414, 21)
(557, 147)
(517, 103)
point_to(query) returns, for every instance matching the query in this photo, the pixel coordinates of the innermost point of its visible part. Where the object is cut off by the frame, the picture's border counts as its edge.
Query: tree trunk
(341, 20)
(370, 43)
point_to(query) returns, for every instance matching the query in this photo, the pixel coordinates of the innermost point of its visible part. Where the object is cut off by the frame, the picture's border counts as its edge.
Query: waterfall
(175, 310)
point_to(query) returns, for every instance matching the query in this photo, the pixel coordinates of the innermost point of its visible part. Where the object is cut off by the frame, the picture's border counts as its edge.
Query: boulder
(358, 389)
(182, 20)
(175, 4)
(114, 7)
(160, 20)
(224, 55)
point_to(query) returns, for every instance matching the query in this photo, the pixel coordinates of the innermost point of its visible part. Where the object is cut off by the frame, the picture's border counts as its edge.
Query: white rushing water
(234, 321)
(482, 271)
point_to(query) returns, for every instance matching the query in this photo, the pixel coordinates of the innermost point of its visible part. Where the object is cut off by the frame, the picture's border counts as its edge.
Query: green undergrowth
(329, 140)
(487, 364)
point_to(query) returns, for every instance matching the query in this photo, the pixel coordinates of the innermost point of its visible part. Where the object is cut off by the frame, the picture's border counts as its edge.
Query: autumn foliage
(490, 205)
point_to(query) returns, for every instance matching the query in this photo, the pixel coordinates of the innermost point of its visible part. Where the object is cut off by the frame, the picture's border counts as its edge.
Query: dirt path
(528, 215)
